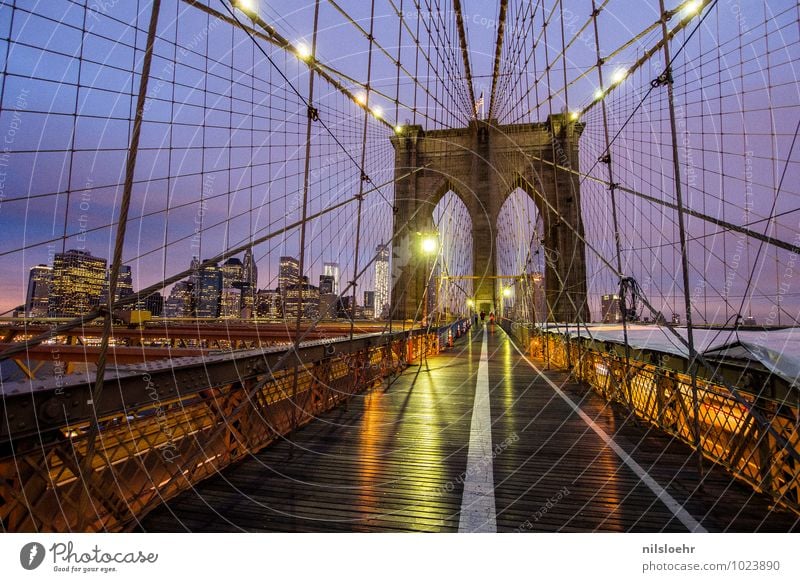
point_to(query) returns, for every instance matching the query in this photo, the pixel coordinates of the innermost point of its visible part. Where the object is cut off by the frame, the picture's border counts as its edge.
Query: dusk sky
(223, 142)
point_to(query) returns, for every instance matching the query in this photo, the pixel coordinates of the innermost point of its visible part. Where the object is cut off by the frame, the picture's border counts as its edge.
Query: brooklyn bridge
(399, 265)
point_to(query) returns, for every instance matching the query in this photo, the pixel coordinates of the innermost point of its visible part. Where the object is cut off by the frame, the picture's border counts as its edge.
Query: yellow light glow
(507, 292)
(377, 112)
(470, 303)
(691, 8)
(303, 51)
(361, 99)
(619, 75)
(398, 129)
(574, 115)
(598, 94)
(429, 245)
(246, 6)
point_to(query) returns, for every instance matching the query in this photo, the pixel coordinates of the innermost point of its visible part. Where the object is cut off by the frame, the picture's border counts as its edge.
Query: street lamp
(429, 246)
(246, 6)
(692, 7)
(506, 295)
(303, 51)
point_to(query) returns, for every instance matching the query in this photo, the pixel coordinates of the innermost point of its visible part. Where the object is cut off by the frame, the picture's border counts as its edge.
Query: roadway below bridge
(476, 439)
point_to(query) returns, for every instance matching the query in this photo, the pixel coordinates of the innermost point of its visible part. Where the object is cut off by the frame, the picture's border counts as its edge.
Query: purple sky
(222, 143)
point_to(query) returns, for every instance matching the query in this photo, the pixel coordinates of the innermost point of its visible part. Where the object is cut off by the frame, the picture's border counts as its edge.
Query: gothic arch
(489, 161)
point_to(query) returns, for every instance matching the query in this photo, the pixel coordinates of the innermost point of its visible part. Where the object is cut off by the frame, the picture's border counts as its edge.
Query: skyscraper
(209, 290)
(249, 285)
(250, 270)
(369, 304)
(232, 273)
(78, 283)
(296, 294)
(233, 287)
(609, 308)
(39, 280)
(267, 303)
(180, 301)
(154, 303)
(332, 270)
(288, 273)
(230, 303)
(382, 282)
(369, 298)
(124, 283)
(326, 284)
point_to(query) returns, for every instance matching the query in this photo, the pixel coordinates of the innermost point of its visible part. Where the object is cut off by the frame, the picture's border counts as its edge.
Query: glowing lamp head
(303, 51)
(361, 99)
(507, 292)
(246, 6)
(691, 8)
(574, 115)
(377, 112)
(619, 75)
(398, 129)
(429, 245)
(470, 303)
(598, 94)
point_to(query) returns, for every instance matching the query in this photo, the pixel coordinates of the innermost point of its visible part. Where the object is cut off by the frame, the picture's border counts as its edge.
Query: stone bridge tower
(483, 164)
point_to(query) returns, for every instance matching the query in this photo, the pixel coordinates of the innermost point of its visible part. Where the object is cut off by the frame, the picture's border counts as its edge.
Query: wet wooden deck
(396, 460)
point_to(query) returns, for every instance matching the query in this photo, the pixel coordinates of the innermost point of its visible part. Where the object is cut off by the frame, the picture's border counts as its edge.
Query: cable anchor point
(664, 78)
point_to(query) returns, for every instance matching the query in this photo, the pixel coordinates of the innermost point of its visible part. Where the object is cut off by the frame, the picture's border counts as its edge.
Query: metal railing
(167, 425)
(729, 434)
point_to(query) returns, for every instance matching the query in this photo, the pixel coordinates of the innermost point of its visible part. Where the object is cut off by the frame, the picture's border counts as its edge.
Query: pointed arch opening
(450, 289)
(520, 259)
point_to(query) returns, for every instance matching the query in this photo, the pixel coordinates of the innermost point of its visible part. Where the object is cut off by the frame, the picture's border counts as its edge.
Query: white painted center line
(668, 500)
(477, 504)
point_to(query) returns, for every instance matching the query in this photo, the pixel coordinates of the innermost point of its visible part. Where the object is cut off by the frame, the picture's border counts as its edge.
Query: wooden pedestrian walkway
(414, 455)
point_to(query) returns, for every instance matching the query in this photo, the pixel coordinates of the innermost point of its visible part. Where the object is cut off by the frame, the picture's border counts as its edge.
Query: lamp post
(506, 295)
(429, 246)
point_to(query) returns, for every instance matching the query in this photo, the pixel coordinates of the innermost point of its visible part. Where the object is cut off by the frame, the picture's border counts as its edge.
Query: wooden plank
(395, 460)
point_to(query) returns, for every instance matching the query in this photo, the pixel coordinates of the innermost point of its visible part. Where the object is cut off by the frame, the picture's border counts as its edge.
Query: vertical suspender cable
(682, 234)
(608, 161)
(122, 224)
(364, 176)
(310, 117)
